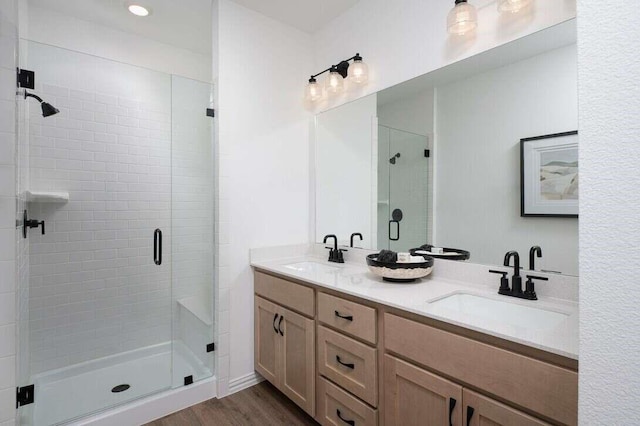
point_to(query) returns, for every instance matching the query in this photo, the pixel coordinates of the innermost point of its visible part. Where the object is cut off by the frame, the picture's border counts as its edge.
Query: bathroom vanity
(350, 349)
(481, 155)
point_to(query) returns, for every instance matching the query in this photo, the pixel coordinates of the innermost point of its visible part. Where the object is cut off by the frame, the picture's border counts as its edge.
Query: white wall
(480, 121)
(264, 161)
(402, 39)
(345, 159)
(49, 27)
(608, 67)
(8, 232)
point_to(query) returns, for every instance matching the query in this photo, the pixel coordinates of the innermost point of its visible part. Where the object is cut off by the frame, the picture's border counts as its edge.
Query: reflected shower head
(47, 108)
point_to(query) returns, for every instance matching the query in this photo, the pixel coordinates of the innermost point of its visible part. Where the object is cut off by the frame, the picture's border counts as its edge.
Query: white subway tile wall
(94, 288)
(8, 185)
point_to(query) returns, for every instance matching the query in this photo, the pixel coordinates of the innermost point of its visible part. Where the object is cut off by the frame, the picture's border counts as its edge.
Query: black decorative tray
(447, 253)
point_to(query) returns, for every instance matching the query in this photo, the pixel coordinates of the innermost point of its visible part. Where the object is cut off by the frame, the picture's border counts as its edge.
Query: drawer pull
(452, 405)
(470, 412)
(346, 364)
(349, 422)
(275, 317)
(344, 317)
(280, 326)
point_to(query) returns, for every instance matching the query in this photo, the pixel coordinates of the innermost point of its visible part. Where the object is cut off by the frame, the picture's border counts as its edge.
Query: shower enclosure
(116, 297)
(403, 189)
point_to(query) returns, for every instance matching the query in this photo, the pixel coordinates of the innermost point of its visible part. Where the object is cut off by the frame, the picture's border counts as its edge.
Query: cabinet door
(414, 396)
(298, 360)
(267, 340)
(482, 411)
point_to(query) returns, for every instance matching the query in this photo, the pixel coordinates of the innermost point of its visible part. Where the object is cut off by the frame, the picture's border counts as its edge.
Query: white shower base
(66, 394)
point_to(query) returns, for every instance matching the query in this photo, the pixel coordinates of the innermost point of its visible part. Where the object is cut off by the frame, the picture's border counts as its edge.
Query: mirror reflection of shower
(392, 160)
(47, 108)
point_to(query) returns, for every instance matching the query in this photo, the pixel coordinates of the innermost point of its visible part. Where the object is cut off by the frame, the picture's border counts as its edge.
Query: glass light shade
(335, 83)
(513, 6)
(359, 72)
(462, 19)
(313, 91)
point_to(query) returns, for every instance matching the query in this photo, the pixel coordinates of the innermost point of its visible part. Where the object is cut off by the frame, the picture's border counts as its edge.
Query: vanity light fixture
(357, 73)
(513, 6)
(462, 19)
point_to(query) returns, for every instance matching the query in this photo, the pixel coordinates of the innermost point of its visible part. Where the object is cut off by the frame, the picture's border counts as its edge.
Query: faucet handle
(504, 281)
(534, 277)
(530, 291)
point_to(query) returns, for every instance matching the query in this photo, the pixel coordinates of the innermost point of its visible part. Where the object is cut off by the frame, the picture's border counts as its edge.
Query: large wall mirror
(443, 153)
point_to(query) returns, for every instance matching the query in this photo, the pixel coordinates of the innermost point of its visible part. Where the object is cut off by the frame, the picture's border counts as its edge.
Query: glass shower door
(406, 168)
(100, 301)
(193, 233)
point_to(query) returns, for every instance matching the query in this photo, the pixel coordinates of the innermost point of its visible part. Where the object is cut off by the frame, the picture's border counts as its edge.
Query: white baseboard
(148, 409)
(244, 382)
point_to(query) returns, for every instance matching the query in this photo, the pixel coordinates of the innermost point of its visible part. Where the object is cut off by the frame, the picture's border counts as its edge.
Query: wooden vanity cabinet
(415, 397)
(284, 341)
(479, 410)
(267, 340)
(351, 361)
(544, 388)
(336, 407)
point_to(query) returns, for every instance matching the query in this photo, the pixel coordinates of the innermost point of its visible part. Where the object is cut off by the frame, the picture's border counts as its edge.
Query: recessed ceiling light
(138, 10)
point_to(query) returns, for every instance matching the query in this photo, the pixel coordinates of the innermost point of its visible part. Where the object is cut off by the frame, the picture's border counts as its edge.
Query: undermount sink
(313, 267)
(484, 308)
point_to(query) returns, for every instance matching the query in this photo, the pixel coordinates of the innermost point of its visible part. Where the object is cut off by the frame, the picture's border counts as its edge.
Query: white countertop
(355, 279)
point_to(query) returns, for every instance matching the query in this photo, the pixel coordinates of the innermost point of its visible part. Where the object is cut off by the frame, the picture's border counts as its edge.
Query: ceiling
(187, 23)
(306, 15)
(181, 23)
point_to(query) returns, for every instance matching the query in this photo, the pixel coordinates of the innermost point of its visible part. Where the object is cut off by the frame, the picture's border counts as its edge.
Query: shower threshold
(69, 393)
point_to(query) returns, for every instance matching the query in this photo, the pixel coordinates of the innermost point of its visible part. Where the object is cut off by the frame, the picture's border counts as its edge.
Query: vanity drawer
(348, 317)
(285, 293)
(349, 363)
(544, 388)
(336, 407)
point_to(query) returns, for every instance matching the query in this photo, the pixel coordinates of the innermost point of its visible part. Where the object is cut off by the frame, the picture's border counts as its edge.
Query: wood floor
(260, 405)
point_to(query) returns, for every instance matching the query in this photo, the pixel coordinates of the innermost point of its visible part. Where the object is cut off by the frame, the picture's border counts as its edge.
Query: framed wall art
(549, 175)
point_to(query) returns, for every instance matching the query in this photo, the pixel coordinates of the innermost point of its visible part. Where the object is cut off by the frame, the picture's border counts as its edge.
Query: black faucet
(335, 254)
(533, 251)
(30, 223)
(516, 280)
(355, 234)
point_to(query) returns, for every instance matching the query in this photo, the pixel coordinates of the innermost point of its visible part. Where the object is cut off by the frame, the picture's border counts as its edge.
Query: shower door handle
(157, 247)
(397, 230)
(396, 217)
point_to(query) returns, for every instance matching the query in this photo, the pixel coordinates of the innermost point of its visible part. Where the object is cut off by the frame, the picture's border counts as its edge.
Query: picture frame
(549, 175)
